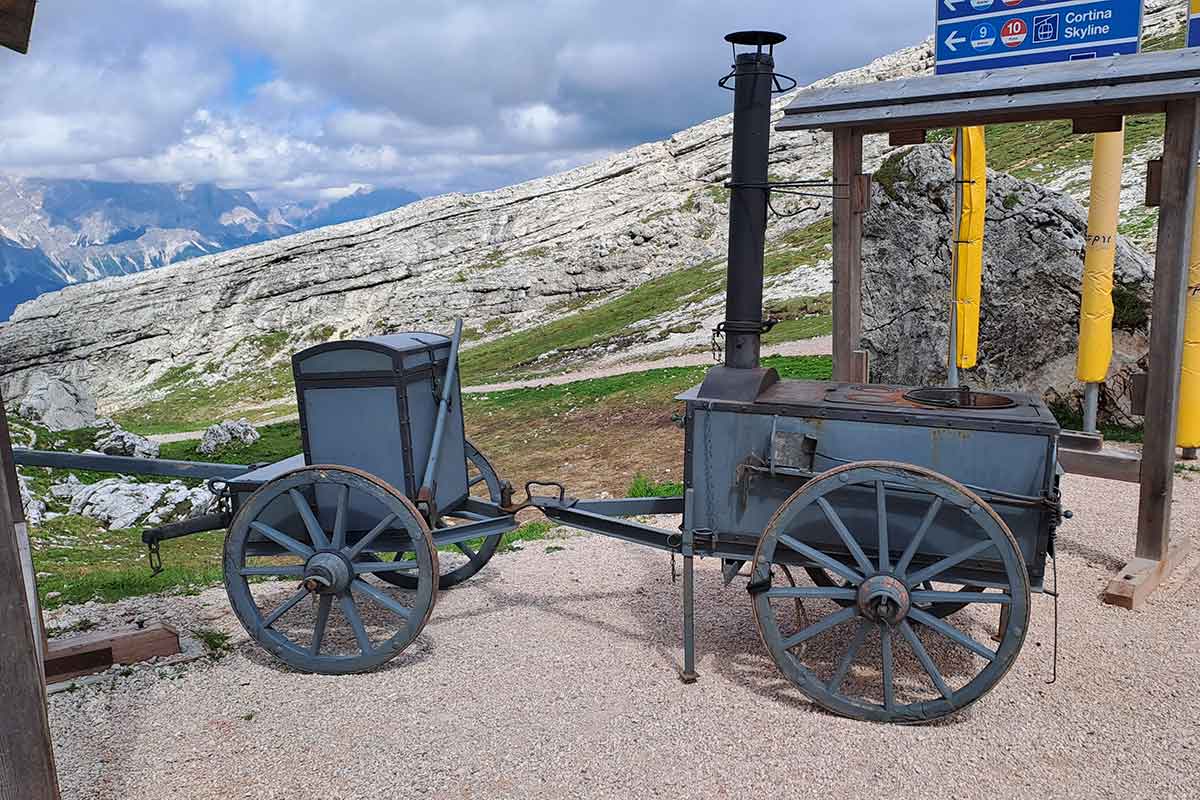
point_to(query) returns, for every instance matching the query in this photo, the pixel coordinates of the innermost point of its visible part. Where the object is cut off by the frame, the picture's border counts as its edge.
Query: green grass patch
(1070, 417)
(216, 643)
(533, 531)
(654, 385)
(79, 561)
(190, 405)
(276, 442)
(643, 486)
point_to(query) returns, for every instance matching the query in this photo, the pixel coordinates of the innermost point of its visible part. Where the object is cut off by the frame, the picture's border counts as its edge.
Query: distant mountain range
(55, 232)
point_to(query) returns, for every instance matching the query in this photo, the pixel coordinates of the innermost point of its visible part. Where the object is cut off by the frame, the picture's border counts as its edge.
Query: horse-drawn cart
(893, 535)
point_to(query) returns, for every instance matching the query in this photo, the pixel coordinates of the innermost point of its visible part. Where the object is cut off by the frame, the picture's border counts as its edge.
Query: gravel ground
(552, 674)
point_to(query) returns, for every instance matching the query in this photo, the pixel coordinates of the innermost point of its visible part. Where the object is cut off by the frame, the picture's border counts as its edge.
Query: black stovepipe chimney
(753, 78)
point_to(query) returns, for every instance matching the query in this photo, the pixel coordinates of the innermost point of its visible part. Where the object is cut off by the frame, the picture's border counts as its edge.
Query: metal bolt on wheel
(485, 484)
(336, 620)
(877, 653)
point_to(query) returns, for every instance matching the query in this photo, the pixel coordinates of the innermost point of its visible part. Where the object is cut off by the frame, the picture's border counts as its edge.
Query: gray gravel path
(552, 675)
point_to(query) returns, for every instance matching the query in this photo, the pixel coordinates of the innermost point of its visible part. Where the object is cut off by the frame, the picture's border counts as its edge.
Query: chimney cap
(756, 38)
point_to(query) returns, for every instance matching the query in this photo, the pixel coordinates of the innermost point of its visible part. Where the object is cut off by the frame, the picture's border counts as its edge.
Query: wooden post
(26, 753)
(847, 251)
(1154, 554)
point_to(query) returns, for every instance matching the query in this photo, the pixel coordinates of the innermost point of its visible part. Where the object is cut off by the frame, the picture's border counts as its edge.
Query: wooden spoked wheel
(867, 648)
(465, 558)
(320, 526)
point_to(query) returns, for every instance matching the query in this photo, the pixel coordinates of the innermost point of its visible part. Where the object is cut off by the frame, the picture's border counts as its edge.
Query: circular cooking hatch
(960, 397)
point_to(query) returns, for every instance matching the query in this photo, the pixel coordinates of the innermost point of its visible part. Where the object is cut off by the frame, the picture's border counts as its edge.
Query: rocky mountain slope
(60, 232)
(567, 263)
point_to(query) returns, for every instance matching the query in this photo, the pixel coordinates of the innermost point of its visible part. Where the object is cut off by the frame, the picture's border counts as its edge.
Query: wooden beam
(847, 251)
(25, 553)
(16, 23)
(901, 138)
(1181, 141)
(1108, 123)
(1153, 182)
(1141, 576)
(26, 754)
(1115, 465)
(861, 370)
(73, 656)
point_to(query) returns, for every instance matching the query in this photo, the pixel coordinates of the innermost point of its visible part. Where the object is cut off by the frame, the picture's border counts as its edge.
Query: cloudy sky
(295, 99)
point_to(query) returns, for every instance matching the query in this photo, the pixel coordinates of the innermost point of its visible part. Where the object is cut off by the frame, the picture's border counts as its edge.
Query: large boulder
(217, 437)
(122, 503)
(115, 441)
(57, 402)
(1033, 263)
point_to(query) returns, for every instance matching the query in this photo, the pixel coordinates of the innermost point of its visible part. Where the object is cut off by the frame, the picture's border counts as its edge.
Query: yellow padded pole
(1096, 307)
(968, 262)
(1189, 383)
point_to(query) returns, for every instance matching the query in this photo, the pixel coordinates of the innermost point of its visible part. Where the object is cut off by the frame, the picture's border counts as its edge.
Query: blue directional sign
(1193, 38)
(987, 34)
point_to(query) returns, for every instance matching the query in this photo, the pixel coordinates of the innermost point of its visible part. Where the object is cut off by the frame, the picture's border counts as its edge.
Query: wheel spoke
(814, 592)
(961, 597)
(323, 606)
(466, 550)
(885, 557)
(831, 564)
(923, 656)
(949, 561)
(283, 540)
(285, 607)
(477, 480)
(399, 565)
(380, 598)
(926, 522)
(820, 627)
(889, 685)
(952, 633)
(315, 533)
(847, 538)
(339, 521)
(371, 536)
(292, 571)
(350, 611)
(860, 636)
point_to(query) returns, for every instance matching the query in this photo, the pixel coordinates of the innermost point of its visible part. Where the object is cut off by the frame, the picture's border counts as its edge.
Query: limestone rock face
(59, 403)
(218, 437)
(34, 507)
(1033, 262)
(121, 503)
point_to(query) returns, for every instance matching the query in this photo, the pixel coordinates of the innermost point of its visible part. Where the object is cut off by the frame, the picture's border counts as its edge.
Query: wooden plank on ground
(84, 654)
(1130, 587)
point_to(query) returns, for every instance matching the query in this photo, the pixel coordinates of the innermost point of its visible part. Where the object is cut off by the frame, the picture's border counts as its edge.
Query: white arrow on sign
(952, 4)
(953, 40)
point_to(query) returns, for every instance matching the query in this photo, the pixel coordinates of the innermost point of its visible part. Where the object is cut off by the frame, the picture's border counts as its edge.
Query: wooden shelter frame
(1095, 95)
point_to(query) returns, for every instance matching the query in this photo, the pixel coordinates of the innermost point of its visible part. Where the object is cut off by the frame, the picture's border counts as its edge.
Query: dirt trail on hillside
(817, 346)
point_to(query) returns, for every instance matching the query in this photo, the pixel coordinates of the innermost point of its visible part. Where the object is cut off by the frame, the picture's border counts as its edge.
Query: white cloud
(306, 97)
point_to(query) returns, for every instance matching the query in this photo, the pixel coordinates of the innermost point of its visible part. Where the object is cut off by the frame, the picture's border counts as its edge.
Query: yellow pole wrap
(969, 247)
(1095, 306)
(1189, 384)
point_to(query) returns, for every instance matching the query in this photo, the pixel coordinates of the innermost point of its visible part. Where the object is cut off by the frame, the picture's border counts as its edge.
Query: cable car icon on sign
(1045, 28)
(983, 36)
(981, 5)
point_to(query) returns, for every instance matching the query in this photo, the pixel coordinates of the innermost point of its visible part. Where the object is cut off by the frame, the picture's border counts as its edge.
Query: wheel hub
(883, 598)
(327, 573)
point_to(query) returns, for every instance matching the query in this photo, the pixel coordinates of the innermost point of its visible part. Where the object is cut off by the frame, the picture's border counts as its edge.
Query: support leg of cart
(688, 673)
